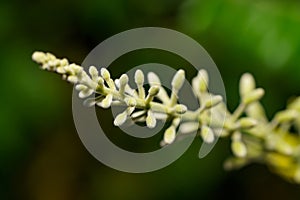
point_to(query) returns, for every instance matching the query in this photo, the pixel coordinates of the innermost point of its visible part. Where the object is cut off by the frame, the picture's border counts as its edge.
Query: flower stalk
(253, 137)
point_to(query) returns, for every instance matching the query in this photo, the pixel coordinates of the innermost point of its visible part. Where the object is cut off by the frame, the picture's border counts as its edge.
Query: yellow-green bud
(213, 101)
(253, 96)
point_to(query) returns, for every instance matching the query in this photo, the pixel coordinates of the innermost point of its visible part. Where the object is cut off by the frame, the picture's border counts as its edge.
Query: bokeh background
(41, 155)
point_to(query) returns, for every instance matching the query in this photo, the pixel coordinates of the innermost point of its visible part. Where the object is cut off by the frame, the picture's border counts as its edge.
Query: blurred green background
(41, 154)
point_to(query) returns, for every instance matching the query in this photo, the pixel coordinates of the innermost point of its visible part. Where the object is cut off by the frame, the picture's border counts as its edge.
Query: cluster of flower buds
(253, 137)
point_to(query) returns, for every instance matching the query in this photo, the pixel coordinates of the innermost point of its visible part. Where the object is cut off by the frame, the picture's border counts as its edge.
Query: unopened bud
(213, 101)
(139, 77)
(170, 135)
(178, 80)
(180, 108)
(246, 123)
(150, 120)
(247, 84)
(207, 134)
(153, 90)
(253, 96)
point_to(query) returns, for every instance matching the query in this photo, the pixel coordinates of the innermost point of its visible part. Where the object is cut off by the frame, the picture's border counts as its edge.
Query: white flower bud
(64, 62)
(123, 81)
(39, 57)
(213, 101)
(93, 71)
(178, 80)
(207, 134)
(139, 77)
(72, 79)
(120, 119)
(188, 127)
(60, 70)
(203, 80)
(150, 120)
(80, 87)
(153, 90)
(253, 96)
(247, 84)
(153, 79)
(105, 74)
(180, 108)
(176, 122)
(170, 135)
